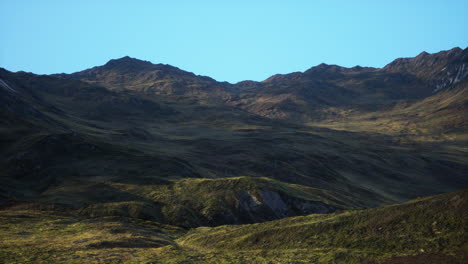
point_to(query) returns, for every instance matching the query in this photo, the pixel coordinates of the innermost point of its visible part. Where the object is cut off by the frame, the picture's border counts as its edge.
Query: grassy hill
(432, 225)
(426, 230)
(195, 202)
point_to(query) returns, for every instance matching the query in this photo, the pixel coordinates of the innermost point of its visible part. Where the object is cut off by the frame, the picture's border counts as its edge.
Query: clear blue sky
(226, 40)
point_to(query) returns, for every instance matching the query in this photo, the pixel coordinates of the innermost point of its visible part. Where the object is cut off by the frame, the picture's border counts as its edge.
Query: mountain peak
(127, 58)
(325, 68)
(127, 61)
(128, 64)
(422, 54)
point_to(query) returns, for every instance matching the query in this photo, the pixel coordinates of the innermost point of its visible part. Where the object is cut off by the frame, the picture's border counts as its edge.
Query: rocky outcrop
(440, 70)
(270, 204)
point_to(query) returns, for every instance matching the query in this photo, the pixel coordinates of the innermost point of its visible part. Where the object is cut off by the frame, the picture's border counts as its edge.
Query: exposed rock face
(268, 205)
(451, 75)
(6, 86)
(440, 70)
(274, 202)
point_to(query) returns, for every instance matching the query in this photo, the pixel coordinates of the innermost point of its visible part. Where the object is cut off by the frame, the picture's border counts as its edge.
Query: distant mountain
(330, 91)
(143, 76)
(322, 94)
(439, 70)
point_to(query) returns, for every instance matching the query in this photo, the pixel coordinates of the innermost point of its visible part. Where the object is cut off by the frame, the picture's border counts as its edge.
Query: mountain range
(163, 159)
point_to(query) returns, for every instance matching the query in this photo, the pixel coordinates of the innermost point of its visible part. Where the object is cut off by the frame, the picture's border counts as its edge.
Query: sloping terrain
(425, 226)
(441, 117)
(426, 230)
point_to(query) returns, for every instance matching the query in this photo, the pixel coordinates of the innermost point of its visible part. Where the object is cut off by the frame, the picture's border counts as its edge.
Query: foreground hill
(432, 228)
(426, 230)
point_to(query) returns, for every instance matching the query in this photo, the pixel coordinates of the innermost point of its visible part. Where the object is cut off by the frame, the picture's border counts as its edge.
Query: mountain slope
(440, 117)
(98, 137)
(88, 138)
(330, 92)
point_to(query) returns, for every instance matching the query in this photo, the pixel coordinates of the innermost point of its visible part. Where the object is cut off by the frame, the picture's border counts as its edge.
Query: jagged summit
(426, 59)
(440, 70)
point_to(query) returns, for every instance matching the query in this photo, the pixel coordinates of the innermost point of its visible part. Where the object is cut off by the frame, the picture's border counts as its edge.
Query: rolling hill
(426, 230)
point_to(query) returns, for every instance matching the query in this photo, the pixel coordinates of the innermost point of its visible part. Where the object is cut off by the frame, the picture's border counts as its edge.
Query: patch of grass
(48, 237)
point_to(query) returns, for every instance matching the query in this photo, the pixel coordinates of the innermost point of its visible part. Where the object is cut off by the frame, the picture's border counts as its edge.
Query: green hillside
(426, 230)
